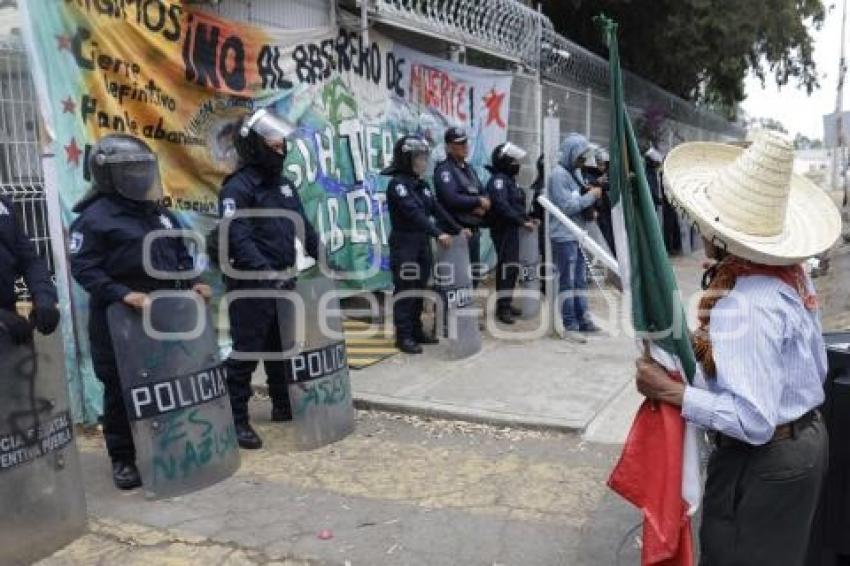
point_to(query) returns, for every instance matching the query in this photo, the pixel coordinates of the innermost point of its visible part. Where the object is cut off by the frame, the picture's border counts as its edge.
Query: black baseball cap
(456, 135)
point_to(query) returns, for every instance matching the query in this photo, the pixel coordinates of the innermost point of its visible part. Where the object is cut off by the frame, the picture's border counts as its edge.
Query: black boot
(282, 412)
(125, 475)
(422, 338)
(408, 346)
(247, 437)
(505, 316)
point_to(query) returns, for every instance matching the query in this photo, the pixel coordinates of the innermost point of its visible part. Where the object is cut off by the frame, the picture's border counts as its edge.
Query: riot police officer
(18, 257)
(106, 251)
(461, 193)
(506, 217)
(413, 209)
(266, 244)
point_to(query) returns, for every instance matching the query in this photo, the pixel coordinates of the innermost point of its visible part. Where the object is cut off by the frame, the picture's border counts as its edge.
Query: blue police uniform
(260, 244)
(18, 257)
(416, 216)
(507, 214)
(106, 260)
(459, 191)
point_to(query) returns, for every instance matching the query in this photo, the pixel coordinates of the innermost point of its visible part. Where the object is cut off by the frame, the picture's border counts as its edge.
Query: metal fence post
(589, 113)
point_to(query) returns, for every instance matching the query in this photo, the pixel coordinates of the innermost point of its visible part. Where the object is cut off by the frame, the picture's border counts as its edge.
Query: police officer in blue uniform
(461, 193)
(18, 257)
(106, 255)
(261, 244)
(506, 217)
(413, 210)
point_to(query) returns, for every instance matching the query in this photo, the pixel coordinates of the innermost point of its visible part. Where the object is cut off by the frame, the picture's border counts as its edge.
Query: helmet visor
(134, 176)
(267, 125)
(513, 152)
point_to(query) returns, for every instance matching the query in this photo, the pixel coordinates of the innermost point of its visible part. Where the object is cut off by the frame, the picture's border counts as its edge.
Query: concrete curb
(446, 411)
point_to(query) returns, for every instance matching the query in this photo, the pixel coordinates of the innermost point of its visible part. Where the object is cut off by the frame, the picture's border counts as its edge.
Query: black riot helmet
(506, 158)
(410, 157)
(261, 141)
(123, 164)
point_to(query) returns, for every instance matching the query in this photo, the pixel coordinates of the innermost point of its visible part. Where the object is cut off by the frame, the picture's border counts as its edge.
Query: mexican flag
(659, 467)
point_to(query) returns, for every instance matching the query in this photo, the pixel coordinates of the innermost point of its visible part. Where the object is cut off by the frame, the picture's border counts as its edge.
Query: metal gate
(21, 176)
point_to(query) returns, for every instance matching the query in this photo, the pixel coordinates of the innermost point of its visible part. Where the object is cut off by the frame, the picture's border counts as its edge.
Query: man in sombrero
(762, 357)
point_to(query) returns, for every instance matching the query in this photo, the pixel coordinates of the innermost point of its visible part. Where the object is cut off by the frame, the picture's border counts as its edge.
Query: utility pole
(838, 158)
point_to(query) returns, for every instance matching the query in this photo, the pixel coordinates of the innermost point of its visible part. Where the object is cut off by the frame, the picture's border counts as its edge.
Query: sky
(791, 105)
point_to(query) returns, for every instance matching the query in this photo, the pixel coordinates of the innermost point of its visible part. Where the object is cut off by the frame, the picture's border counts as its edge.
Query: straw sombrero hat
(749, 201)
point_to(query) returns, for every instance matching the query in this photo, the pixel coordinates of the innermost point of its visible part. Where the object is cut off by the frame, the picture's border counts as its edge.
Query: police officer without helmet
(18, 257)
(461, 193)
(413, 209)
(260, 244)
(507, 216)
(105, 249)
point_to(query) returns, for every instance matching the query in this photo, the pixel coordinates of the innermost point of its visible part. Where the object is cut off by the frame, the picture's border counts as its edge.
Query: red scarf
(723, 281)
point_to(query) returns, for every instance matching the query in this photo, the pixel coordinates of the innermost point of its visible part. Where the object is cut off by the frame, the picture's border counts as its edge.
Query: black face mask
(270, 161)
(513, 169)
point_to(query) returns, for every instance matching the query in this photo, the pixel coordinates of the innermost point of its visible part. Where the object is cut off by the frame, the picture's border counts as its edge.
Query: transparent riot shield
(40, 482)
(453, 282)
(528, 281)
(175, 392)
(317, 372)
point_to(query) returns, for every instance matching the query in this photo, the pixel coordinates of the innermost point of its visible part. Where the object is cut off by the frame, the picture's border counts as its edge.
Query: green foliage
(702, 50)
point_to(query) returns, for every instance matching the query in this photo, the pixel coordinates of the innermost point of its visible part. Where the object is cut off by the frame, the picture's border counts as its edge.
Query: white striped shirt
(770, 359)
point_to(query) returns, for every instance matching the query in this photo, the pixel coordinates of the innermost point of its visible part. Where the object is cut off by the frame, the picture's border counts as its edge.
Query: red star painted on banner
(69, 106)
(493, 102)
(73, 152)
(63, 42)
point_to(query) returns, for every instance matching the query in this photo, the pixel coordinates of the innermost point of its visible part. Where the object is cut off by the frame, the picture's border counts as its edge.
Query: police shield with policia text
(39, 468)
(107, 259)
(256, 256)
(416, 217)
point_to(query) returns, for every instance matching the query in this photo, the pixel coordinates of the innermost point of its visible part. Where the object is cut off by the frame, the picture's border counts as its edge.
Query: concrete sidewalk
(542, 382)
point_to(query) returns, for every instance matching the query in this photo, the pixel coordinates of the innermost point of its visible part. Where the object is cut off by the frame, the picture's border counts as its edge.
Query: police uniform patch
(499, 184)
(286, 190)
(76, 242)
(228, 206)
(446, 176)
(401, 190)
(427, 192)
(3, 210)
(166, 222)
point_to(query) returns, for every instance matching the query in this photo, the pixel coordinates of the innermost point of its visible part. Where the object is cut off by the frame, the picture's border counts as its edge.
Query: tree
(766, 124)
(702, 50)
(805, 142)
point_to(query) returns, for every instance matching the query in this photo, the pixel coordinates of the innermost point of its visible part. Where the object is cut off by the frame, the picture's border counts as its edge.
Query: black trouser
(254, 329)
(760, 501)
(116, 427)
(506, 240)
(411, 262)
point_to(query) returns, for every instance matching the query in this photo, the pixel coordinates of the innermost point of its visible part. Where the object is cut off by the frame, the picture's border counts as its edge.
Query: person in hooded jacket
(18, 257)
(265, 245)
(507, 216)
(106, 256)
(566, 191)
(416, 217)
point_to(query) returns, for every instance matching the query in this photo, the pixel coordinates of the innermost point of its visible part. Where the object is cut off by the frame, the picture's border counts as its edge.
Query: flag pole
(584, 239)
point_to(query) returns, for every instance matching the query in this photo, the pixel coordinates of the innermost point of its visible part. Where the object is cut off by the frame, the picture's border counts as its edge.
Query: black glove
(16, 326)
(45, 319)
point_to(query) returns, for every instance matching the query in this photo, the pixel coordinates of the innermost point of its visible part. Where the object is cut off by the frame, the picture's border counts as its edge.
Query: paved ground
(529, 381)
(400, 491)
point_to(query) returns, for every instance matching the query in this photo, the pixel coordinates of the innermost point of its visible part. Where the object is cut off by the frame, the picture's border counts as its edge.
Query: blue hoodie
(565, 192)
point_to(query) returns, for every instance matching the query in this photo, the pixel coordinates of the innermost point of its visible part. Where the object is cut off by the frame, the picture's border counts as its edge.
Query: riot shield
(40, 482)
(317, 373)
(175, 392)
(453, 282)
(528, 281)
